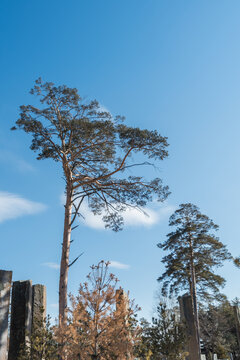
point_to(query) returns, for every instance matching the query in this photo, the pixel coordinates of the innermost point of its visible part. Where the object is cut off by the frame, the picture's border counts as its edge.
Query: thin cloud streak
(118, 265)
(52, 265)
(15, 161)
(13, 206)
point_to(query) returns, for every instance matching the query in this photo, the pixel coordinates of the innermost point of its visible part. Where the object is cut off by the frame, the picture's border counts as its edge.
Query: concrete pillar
(38, 304)
(21, 317)
(5, 288)
(122, 305)
(186, 311)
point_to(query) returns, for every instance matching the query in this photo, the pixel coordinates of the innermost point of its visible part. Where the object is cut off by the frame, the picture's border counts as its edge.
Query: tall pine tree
(194, 252)
(94, 151)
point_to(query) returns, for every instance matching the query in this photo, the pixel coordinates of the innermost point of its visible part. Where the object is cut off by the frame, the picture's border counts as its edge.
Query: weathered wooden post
(21, 317)
(5, 288)
(122, 306)
(186, 311)
(38, 305)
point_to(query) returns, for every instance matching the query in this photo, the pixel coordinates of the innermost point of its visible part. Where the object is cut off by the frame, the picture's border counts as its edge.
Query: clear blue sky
(173, 66)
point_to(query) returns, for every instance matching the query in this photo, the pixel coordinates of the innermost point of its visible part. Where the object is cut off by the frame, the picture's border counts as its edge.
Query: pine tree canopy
(194, 235)
(95, 149)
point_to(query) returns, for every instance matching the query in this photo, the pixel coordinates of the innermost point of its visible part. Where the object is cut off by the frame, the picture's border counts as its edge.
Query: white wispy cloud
(118, 265)
(52, 265)
(89, 219)
(13, 206)
(15, 161)
(132, 216)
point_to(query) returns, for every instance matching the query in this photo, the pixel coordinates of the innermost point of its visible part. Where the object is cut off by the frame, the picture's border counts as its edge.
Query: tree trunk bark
(63, 282)
(194, 299)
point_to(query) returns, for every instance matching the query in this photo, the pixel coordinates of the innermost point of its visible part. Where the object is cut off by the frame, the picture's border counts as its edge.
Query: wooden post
(21, 317)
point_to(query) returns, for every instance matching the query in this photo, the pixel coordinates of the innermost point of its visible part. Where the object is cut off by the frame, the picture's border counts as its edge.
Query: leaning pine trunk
(65, 257)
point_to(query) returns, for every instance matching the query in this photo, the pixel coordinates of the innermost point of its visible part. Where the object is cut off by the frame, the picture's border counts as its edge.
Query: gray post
(38, 304)
(186, 311)
(21, 317)
(5, 287)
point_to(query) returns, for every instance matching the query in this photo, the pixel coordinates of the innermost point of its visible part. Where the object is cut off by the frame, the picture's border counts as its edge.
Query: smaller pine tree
(41, 344)
(164, 338)
(101, 324)
(194, 252)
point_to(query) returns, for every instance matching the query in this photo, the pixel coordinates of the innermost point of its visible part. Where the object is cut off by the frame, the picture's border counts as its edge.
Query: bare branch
(73, 262)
